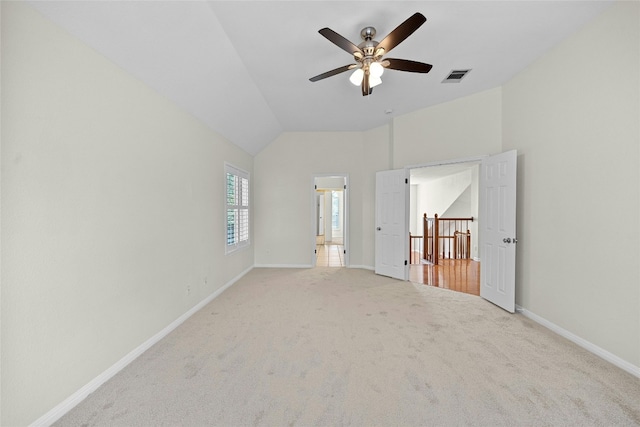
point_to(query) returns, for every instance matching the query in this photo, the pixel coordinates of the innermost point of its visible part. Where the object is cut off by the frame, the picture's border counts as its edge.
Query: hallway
(330, 255)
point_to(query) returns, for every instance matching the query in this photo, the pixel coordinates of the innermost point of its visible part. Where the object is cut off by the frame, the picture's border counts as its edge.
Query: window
(237, 201)
(335, 210)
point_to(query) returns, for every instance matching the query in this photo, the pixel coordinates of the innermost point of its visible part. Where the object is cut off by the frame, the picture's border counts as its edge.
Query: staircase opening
(443, 224)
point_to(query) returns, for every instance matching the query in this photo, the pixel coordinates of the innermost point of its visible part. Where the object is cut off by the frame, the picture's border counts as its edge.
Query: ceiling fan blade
(333, 72)
(401, 32)
(340, 41)
(406, 65)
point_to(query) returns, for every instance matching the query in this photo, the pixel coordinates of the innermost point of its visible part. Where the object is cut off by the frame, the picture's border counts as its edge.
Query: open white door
(390, 248)
(498, 229)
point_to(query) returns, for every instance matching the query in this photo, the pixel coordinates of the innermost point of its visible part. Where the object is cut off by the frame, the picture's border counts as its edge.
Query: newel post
(425, 234)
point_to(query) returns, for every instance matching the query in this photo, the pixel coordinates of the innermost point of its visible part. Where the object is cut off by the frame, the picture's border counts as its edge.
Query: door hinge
(405, 262)
(315, 251)
(345, 186)
(344, 251)
(315, 186)
(406, 180)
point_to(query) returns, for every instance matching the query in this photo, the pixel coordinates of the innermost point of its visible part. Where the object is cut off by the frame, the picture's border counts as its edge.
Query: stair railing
(415, 248)
(446, 238)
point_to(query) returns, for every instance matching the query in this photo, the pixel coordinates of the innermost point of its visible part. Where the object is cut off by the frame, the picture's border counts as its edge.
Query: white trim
(283, 266)
(240, 173)
(363, 267)
(70, 402)
(598, 351)
(449, 162)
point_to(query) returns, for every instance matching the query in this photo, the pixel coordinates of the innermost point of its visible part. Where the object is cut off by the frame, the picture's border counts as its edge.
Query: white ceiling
(243, 67)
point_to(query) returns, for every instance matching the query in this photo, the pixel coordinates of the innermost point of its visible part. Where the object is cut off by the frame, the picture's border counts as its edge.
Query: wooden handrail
(436, 245)
(455, 219)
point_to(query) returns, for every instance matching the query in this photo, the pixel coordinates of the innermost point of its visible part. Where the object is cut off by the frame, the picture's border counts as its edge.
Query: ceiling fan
(368, 55)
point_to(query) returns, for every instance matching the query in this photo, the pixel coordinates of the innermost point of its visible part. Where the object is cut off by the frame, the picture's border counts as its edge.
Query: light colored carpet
(330, 347)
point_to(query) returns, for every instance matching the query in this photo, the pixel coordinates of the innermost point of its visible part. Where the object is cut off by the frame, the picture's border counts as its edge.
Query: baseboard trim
(69, 403)
(589, 346)
(364, 267)
(283, 266)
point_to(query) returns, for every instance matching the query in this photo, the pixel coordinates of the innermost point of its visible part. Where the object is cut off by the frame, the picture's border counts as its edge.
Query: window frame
(240, 204)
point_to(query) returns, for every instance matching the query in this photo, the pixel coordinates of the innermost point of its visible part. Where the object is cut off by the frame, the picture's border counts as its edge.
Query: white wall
(330, 183)
(475, 207)
(415, 217)
(437, 196)
(461, 207)
(574, 117)
(112, 205)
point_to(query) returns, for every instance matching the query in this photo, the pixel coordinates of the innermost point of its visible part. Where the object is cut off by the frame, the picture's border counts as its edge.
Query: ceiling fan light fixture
(374, 80)
(356, 77)
(376, 69)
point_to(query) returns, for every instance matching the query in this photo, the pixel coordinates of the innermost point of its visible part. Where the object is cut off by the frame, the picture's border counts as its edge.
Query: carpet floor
(337, 347)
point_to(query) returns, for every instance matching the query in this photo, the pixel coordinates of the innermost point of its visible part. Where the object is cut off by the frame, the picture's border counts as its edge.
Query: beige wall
(577, 136)
(374, 158)
(465, 127)
(285, 168)
(284, 227)
(112, 205)
(574, 118)
(113, 199)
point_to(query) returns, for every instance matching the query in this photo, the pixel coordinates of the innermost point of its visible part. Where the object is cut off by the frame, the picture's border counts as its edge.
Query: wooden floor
(462, 275)
(331, 255)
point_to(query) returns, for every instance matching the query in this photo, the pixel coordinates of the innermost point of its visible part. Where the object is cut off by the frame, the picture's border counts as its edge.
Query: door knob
(378, 228)
(507, 240)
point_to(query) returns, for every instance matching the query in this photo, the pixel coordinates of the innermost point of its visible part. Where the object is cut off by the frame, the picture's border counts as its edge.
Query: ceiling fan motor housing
(368, 33)
(368, 46)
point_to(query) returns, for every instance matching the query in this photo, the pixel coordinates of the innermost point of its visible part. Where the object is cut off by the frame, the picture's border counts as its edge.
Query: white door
(391, 225)
(498, 229)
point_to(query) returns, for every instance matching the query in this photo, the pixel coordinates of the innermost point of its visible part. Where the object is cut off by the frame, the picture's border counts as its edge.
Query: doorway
(330, 221)
(448, 191)
(497, 191)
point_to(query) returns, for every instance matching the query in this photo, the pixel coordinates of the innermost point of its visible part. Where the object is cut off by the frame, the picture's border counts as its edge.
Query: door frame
(345, 213)
(449, 162)
(471, 159)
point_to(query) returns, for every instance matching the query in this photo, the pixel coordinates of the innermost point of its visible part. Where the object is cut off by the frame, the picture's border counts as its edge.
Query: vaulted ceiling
(243, 67)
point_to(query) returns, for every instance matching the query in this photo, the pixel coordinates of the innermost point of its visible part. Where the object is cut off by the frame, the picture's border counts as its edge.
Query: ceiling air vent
(455, 76)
